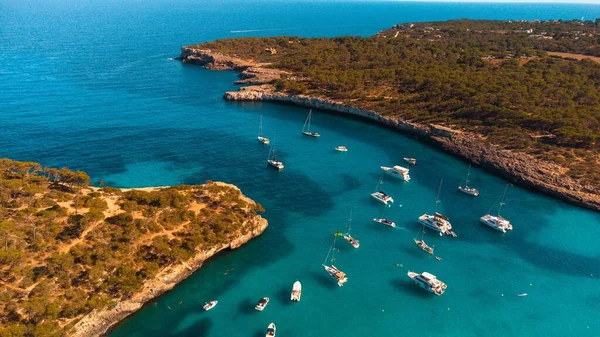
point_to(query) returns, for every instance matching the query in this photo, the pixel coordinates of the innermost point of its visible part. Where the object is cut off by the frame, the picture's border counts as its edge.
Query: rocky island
(518, 98)
(75, 259)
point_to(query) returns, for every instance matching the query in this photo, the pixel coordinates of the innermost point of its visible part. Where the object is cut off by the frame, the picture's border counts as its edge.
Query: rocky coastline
(519, 168)
(99, 322)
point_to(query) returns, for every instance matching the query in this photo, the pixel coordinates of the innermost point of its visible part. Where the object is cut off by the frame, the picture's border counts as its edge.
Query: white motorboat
(306, 129)
(341, 148)
(466, 189)
(397, 172)
(428, 282)
(262, 303)
(386, 222)
(411, 161)
(296, 292)
(271, 329)
(273, 162)
(260, 137)
(210, 305)
(497, 222)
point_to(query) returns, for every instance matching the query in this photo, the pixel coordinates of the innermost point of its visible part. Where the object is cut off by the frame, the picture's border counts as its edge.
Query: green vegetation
(492, 78)
(66, 248)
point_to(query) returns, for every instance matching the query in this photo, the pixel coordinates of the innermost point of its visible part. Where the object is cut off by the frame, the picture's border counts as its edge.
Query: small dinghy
(411, 161)
(262, 303)
(271, 330)
(522, 295)
(210, 305)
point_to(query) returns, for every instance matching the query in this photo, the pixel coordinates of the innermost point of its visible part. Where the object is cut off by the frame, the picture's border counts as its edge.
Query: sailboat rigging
(272, 160)
(332, 270)
(262, 139)
(438, 222)
(355, 243)
(497, 222)
(306, 129)
(421, 243)
(466, 189)
(380, 195)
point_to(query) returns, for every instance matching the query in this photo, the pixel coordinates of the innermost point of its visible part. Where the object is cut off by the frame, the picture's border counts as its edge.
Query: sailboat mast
(468, 173)
(260, 127)
(437, 200)
(349, 221)
(502, 201)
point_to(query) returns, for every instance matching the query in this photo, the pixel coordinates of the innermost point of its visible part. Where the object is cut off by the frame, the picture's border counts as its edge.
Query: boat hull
(490, 223)
(390, 223)
(311, 134)
(469, 191)
(276, 165)
(264, 140)
(332, 271)
(392, 173)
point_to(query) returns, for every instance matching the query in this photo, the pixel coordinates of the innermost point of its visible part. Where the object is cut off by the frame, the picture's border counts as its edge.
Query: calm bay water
(92, 86)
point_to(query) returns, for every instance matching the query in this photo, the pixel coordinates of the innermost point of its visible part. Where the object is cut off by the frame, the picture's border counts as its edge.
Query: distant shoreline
(519, 168)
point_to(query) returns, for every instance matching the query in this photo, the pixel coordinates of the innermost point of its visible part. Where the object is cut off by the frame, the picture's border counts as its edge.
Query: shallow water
(91, 86)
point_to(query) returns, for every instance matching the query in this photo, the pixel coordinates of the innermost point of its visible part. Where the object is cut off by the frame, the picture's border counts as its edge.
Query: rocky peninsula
(269, 83)
(77, 259)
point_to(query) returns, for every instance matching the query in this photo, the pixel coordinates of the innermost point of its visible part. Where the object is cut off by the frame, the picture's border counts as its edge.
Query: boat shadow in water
(283, 296)
(324, 280)
(406, 287)
(200, 328)
(246, 306)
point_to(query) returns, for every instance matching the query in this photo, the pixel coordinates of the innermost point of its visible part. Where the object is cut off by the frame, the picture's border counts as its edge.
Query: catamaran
(355, 243)
(428, 282)
(306, 129)
(421, 243)
(466, 189)
(397, 172)
(380, 195)
(386, 222)
(411, 161)
(262, 303)
(271, 329)
(496, 221)
(262, 139)
(272, 160)
(296, 292)
(438, 222)
(332, 270)
(209, 305)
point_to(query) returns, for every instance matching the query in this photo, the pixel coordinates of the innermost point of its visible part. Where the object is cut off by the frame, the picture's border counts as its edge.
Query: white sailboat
(438, 222)
(379, 195)
(262, 139)
(497, 222)
(306, 129)
(466, 189)
(332, 270)
(355, 243)
(272, 160)
(421, 243)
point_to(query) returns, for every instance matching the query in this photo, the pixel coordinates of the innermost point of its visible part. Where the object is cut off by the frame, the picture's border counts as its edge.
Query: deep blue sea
(92, 85)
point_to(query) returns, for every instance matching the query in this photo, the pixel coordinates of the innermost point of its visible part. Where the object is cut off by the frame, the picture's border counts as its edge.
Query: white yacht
(271, 329)
(262, 303)
(296, 292)
(424, 246)
(381, 196)
(428, 282)
(306, 129)
(386, 222)
(411, 161)
(497, 222)
(337, 274)
(341, 148)
(397, 172)
(260, 137)
(438, 222)
(210, 305)
(273, 162)
(466, 189)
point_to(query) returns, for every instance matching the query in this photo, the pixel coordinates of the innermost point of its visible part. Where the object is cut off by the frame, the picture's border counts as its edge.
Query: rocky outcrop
(98, 322)
(517, 167)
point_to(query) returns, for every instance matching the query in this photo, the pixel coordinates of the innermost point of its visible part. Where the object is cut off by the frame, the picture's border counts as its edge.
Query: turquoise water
(92, 86)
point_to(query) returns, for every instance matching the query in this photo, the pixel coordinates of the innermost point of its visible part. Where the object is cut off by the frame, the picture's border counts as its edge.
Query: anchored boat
(386, 222)
(466, 189)
(306, 128)
(355, 243)
(379, 195)
(497, 222)
(262, 139)
(397, 172)
(428, 282)
(271, 329)
(296, 292)
(332, 270)
(411, 161)
(341, 148)
(262, 303)
(272, 160)
(209, 305)
(438, 222)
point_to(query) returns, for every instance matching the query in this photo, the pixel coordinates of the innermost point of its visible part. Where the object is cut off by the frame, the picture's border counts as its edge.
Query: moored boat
(332, 270)
(355, 243)
(497, 222)
(296, 292)
(306, 129)
(260, 137)
(381, 196)
(411, 161)
(273, 162)
(424, 246)
(438, 222)
(341, 148)
(271, 329)
(386, 222)
(466, 189)
(209, 305)
(428, 282)
(262, 303)
(397, 172)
